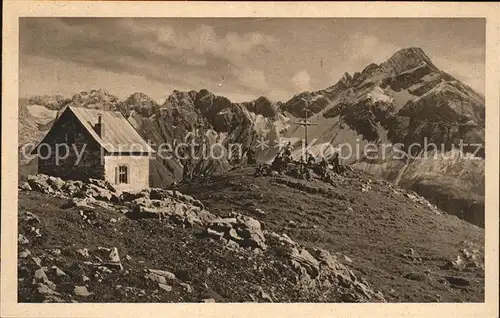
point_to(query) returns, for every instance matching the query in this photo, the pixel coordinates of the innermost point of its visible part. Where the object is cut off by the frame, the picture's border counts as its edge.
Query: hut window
(122, 174)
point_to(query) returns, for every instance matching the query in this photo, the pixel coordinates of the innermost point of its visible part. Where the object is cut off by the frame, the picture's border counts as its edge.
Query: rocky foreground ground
(240, 238)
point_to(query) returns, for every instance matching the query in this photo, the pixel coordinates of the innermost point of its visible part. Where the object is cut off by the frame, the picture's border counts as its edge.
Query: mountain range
(404, 100)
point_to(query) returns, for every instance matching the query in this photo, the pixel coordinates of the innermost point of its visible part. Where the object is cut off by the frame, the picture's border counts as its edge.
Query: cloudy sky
(239, 58)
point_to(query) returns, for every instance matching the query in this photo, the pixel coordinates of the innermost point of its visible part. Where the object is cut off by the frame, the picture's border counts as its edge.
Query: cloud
(202, 40)
(187, 53)
(302, 80)
(470, 71)
(184, 55)
(366, 48)
(253, 79)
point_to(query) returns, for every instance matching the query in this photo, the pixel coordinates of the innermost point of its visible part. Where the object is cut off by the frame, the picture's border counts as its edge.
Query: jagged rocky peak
(407, 59)
(180, 98)
(139, 103)
(52, 102)
(96, 98)
(262, 106)
(346, 79)
(370, 69)
(142, 99)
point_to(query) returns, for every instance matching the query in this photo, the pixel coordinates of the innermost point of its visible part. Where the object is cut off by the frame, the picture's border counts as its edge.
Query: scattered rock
(415, 276)
(25, 186)
(58, 271)
(53, 299)
(46, 290)
(165, 287)
(25, 253)
(40, 275)
(166, 274)
(39, 183)
(244, 230)
(347, 259)
(182, 210)
(159, 276)
(31, 219)
(22, 240)
(303, 259)
(114, 259)
(187, 287)
(56, 252)
(35, 231)
(215, 234)
(209, 300)
(85, 279)
(81, 291)
(37, 261)
(259, 212)
(56, 183)
(265, 296)
(83, 252)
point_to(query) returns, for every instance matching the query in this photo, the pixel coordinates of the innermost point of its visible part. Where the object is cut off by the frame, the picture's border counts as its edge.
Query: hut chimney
(99, 127)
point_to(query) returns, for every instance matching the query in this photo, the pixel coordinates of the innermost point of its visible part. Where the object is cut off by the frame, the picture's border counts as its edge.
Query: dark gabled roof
(119, 135)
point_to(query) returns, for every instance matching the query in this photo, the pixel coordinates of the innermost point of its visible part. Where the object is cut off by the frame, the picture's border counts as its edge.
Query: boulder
(40, 275)
(170, 209)
(244, 230)
(72, 188)
(250, 230)
(155, 278)
(302, 259)
(25, 186)
(46, 290)
(39, 183)
(37, 261)
(58, 271)
(53, 299)
(83, 252)
(102, 184)
(209, 300)
(168, 275)
(81, 291)
(260, 212)
(25, 253)
(318, 266)
(126, 196)
(214, 234)
(22, 240)
(31, 219)
(114, 259)
(56, 183)
(56, 252)
(165, 287)
(98, 193)
(187, 287)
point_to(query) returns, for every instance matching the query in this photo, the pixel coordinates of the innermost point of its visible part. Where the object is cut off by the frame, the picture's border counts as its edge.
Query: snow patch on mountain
(378, 95)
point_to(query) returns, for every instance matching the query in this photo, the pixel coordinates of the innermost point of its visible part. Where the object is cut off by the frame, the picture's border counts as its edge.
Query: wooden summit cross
(305, 123)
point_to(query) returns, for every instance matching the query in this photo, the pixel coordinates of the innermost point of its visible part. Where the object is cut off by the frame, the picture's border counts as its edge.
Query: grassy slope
(380, 227)
(229, 275)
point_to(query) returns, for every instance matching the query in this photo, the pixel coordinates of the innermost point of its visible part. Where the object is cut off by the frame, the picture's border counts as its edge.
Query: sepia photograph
(251, 160)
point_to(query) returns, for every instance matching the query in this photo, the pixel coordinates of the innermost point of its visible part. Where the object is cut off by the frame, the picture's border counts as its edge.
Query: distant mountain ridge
(405, 99)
